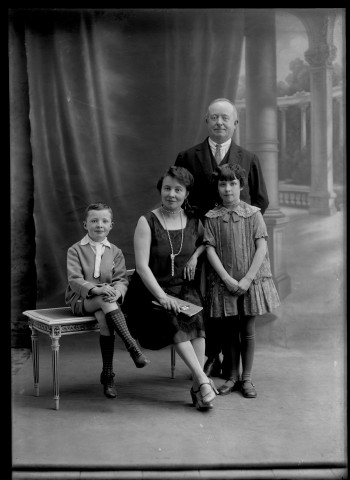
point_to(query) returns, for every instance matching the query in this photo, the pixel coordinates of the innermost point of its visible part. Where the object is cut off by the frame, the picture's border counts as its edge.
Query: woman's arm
(230, 283)
(190, 267)
(142, 247)
(258, 258)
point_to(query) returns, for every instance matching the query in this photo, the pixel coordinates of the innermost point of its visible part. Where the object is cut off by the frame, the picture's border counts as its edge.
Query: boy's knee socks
(116, 321)
(107, 351)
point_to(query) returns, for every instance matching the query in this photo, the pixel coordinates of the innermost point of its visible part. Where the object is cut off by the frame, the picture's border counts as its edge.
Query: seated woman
(167, 243)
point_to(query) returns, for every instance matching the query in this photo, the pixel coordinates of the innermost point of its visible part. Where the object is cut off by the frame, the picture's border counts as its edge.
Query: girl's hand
(243, 285)
(169, 304)
(190, 269)
(231, 285)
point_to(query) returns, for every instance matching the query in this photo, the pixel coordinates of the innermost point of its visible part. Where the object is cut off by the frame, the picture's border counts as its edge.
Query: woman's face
(229, 191)
(173, 193)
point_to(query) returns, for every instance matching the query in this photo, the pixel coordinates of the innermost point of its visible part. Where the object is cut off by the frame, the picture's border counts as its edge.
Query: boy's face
(98, 224)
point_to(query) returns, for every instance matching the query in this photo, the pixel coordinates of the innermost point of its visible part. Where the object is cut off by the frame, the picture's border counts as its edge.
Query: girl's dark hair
(97, 206)
(229, 172)
(183, 176)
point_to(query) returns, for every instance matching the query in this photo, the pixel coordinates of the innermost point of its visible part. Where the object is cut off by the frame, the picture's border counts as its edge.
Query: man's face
(221, 121)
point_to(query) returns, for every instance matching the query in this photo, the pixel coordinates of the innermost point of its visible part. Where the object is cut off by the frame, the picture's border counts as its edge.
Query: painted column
(261, 128)
(283, 111)
(303, 108)
(339, 101)
(320, 57)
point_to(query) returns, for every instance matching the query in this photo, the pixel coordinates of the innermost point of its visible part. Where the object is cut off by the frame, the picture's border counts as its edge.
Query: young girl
(240, 284)
(97, 282)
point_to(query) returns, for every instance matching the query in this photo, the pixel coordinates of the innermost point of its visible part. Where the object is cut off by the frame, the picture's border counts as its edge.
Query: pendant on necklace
(172, 256)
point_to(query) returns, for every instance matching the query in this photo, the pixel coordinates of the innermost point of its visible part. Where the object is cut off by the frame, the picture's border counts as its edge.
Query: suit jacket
(199, 161)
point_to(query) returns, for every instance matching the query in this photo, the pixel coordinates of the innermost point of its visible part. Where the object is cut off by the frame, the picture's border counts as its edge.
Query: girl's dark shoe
(247, 389)
(139, 359)
(109, 388)
(228, 387)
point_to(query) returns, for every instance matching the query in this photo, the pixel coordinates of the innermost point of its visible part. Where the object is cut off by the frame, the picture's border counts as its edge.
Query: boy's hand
(112, 297)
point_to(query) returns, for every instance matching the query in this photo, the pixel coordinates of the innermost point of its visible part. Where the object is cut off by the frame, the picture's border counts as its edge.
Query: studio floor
(295, 428)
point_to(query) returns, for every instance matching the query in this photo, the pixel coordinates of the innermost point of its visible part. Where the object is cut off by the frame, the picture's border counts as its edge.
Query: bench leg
(55, 346)
(173, 360)
(35, 358)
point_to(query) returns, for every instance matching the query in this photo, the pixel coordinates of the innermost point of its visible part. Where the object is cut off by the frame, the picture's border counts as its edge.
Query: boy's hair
(97, 206)
(229, 172)
(181, 174)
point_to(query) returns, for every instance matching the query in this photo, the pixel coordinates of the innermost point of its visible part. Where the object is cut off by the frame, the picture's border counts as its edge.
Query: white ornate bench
(58, 322)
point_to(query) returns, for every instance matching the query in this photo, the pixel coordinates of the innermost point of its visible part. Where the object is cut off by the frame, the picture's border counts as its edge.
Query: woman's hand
(169, 304)
(190, 268)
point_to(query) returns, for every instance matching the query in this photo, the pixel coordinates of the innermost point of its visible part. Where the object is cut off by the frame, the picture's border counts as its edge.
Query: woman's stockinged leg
(201, 384)
(199, 348)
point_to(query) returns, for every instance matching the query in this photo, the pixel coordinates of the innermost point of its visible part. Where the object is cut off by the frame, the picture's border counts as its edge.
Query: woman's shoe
(197, 400)
(212, 384)
(109, 388)
(247, 389)
(139, 358)
(205, 400)
(228, 387)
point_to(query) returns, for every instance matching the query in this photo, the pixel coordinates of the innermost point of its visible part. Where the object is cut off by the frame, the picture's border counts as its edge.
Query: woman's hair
(183, 176)
(97, 206)
(229, 172)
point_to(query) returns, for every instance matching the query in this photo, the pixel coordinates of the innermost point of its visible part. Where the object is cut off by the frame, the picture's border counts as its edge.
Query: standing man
(201, 160)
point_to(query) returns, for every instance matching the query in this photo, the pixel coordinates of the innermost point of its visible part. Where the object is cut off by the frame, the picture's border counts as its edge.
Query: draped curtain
(101, 102)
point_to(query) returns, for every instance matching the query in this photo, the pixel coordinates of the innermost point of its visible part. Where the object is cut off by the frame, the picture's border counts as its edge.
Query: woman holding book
(168, 244)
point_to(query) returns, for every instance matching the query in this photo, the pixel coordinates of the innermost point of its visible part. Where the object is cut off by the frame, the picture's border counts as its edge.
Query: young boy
(97, 282)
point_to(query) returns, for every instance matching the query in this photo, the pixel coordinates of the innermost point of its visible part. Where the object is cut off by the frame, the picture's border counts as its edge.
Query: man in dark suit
(201, 160)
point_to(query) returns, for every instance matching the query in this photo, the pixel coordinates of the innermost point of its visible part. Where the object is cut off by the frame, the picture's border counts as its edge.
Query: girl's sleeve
(75, 273)
(209, 233)
(260, 230)
(120, 275)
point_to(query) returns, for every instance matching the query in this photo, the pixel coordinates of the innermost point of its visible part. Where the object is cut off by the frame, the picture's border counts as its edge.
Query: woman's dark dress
(155, 327)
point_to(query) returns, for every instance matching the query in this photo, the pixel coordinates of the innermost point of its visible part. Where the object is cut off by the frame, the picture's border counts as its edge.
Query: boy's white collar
(87, 239)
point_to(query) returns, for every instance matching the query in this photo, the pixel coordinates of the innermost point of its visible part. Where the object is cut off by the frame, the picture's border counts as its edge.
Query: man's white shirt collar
(224, 145)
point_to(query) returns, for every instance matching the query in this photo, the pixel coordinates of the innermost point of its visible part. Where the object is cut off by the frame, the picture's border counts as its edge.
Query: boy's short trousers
(77, 305)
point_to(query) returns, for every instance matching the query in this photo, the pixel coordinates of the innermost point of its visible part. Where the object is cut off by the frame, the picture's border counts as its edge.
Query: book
(187, 308)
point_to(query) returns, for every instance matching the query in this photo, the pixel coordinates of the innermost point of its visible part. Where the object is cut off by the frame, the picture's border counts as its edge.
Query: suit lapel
(235, 155)
(203, 155)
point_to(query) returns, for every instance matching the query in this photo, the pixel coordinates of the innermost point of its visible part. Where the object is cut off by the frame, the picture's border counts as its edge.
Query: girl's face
(173, 193)
(98, 224)
(229, 191)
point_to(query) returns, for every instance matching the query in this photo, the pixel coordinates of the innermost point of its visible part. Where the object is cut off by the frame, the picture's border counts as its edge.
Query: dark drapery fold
(114, 96)
(23, 271)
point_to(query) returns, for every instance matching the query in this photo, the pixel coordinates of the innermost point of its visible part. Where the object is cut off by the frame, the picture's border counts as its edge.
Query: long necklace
(173, 255)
